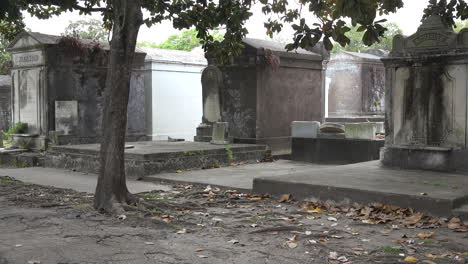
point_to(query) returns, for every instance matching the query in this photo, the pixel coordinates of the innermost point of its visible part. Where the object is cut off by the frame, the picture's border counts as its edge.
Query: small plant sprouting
(229, 153)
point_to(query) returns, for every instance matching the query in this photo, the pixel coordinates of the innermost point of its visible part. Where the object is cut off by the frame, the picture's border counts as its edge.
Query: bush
(18, 128)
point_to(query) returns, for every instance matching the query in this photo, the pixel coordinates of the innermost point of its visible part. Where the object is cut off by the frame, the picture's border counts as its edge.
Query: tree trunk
(111, 190)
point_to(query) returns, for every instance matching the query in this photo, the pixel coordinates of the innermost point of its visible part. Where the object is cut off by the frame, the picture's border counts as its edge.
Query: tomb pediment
(432, 36)
(27, 40)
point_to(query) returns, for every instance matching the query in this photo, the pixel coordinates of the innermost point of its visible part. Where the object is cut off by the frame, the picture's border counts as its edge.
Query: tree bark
(111, 190)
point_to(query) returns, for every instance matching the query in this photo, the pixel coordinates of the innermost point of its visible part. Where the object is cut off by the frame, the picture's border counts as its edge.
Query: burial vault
(356, 85)
(261, 91)
(426, 102)
(57, 88)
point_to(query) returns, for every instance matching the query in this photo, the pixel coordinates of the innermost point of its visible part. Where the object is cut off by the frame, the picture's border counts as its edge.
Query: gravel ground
(200, 224)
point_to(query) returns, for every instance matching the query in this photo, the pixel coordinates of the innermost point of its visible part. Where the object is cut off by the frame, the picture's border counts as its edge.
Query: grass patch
(256, 219)
(155, 211)
(157, 196)
(427, 241)
(391, 250)
(82, 207)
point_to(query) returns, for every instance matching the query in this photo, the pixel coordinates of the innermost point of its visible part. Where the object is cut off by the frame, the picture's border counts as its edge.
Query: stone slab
(335, 150)
(237, 177)
(360, 130)
(66, 116)
(431, 192)
(305, 129)
(72, 180)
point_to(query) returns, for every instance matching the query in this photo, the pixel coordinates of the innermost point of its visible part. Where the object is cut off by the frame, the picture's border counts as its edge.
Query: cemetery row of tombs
(326, 108)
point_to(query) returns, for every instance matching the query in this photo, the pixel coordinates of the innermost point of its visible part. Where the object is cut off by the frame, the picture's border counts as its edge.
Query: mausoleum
(57, 89)
(262, 91)
(173, 92)
(426, 102)
(356, 85)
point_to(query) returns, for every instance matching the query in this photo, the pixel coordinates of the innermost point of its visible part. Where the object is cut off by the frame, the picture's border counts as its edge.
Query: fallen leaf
(316, 210)
(149, 243)
(411, 259)
(178, 171)
(342, 259)
(333, 255)
(414, 219)
(182, 231)
(199, 250)
(288, 219)
(332, 219)
(284, 198)
(122, 217)
(337, 237)
(201, 256)
(291, 244)
(233, 241)
(18, 245)
(425, 235)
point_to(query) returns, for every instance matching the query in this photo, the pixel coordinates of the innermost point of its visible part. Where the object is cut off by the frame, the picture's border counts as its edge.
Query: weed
(229, 153)
(391, 250)
(157, 196)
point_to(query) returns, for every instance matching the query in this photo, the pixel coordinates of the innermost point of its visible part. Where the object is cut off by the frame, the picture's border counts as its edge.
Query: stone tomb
(58, 91)
(5, 102)
(262, 91)
(355, 85)
(426, 106)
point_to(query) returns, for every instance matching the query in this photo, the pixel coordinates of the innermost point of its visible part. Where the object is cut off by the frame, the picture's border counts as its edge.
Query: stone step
(434, 193)
(461, 212)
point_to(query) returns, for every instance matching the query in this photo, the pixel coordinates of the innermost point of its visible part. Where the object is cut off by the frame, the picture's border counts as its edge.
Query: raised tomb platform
(151, 157)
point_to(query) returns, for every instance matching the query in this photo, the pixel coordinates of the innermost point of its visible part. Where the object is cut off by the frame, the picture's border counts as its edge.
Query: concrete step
(461, 212)
(434, 193)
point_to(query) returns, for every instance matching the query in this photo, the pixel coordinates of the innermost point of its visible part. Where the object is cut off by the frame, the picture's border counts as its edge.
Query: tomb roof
(32, 39)
(195, 56)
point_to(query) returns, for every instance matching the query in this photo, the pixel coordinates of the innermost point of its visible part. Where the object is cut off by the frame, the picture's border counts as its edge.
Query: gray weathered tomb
(212, 83)
(426, 102)
(5, 102)
(356, 84)
(58, 90)
(259, 98)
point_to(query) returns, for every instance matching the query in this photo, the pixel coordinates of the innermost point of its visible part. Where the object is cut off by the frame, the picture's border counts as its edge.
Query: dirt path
(191, 224)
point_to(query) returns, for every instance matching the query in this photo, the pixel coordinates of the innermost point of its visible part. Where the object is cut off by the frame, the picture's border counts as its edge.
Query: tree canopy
(356, 44)
(88, 29)
(186, 40)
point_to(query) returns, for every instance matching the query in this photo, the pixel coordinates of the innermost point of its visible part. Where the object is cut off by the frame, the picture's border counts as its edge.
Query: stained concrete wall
(5, 102)
(45, 73)
(259, 100)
